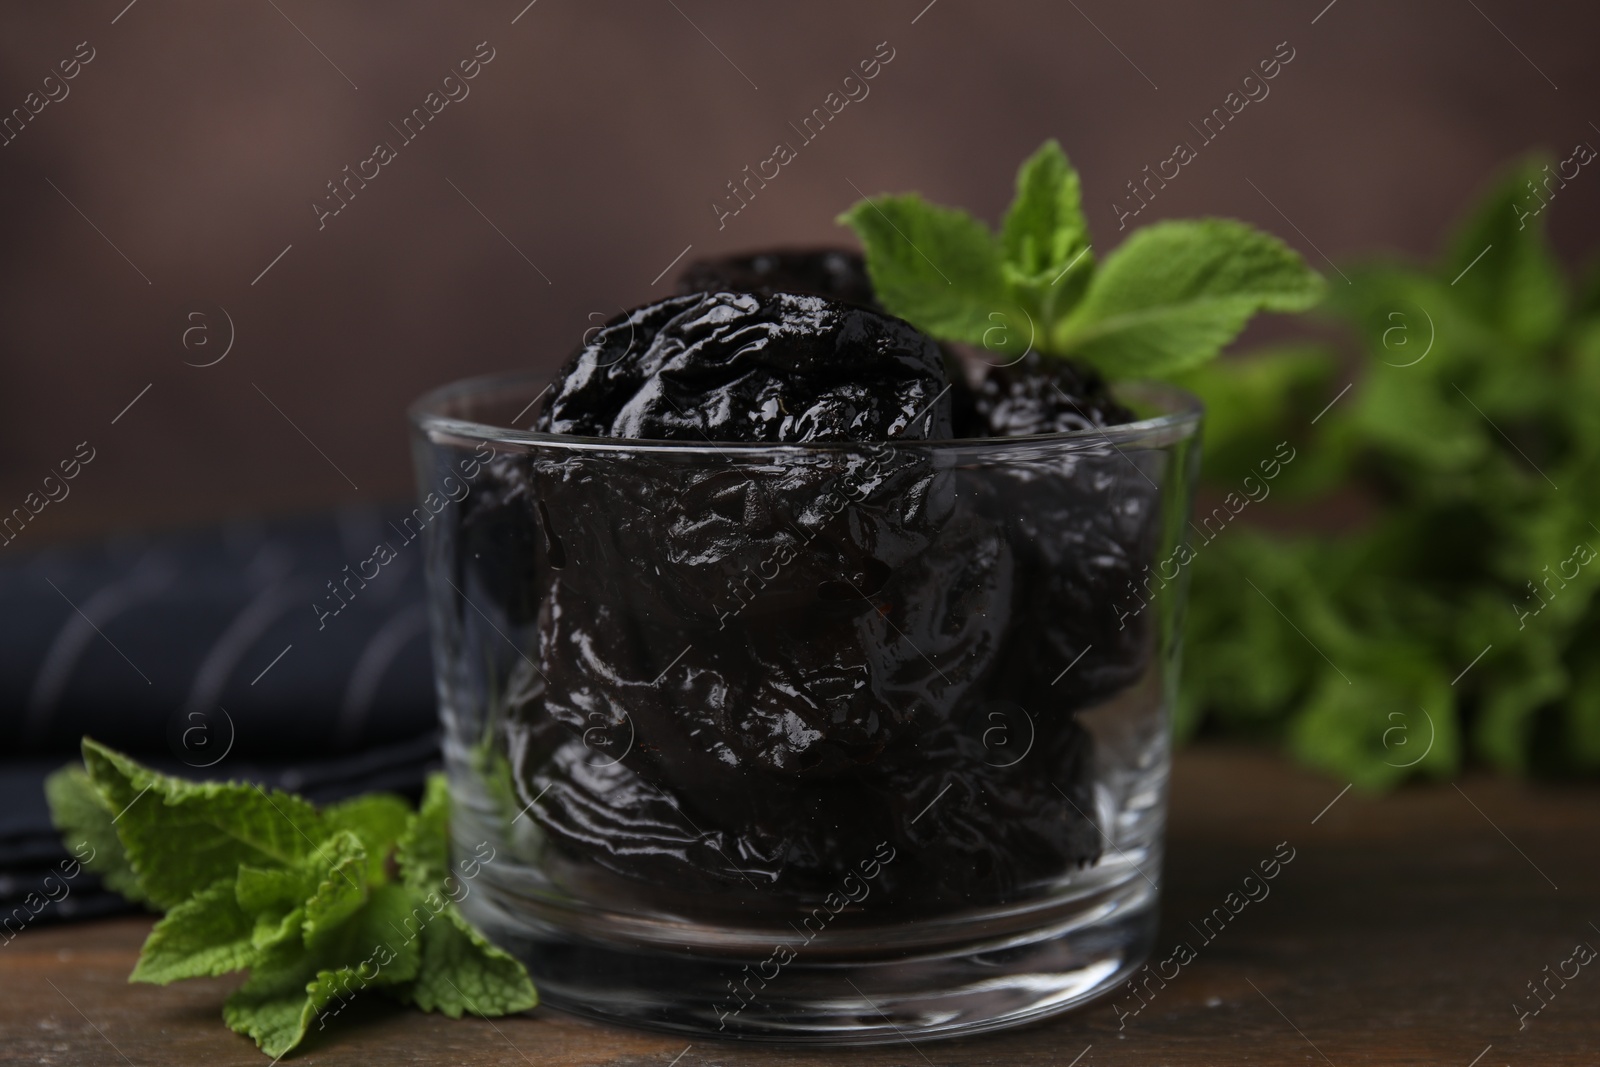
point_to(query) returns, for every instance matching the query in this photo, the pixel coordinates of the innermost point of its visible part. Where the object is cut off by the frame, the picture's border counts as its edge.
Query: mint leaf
(341, 892)
(290, 989)
(1393, 717)
(1422, 431)
(1501, 263)
(182, 837)
(377, 819)
(1044, 228)
(273, 1006)
(85, 821)
(939, 269)
(1045, 242)
(1468, 590)
(265, 889)
(1254, 405)
(276, 896)
(1173, 294)
(1530, 677)
(461, 971)
(208, 934)
(423, 851)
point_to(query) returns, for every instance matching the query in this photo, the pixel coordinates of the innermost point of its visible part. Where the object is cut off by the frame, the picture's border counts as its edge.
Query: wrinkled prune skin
(808, 692)
(1040, 394)
(748, 367)
(831, 272)
(1085, 529)
(498, 549)
(754, 675)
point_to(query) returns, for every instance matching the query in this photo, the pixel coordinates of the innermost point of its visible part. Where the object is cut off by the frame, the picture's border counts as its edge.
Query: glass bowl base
(989, 976)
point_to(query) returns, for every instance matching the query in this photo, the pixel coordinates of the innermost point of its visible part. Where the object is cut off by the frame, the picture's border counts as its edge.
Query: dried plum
(1040, 394)
(747, 367)
(498, 549)
(1084, 528)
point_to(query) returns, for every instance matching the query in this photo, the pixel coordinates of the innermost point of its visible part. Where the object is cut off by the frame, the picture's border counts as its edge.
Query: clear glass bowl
(811, 743)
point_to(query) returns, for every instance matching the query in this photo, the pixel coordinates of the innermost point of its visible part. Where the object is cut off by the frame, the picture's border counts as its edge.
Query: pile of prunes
(758, 670)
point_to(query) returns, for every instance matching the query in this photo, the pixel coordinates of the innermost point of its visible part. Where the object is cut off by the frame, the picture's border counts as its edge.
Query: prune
(808, 692)
(1084, 530)
(1083, 526)
(747, 367)
(1040, 394)
(498, 550)
(830, 272)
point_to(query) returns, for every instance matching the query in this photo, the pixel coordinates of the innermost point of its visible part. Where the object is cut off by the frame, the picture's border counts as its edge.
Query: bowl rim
(1180, 417)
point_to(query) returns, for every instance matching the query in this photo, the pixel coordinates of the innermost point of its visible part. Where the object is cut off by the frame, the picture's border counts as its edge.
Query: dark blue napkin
(215, 653)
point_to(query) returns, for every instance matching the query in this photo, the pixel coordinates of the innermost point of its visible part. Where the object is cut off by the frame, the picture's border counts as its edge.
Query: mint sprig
(1168, 299)
(317, 904)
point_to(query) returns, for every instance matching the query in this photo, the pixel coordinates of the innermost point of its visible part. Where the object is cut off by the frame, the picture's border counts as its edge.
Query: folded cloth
(258, 650)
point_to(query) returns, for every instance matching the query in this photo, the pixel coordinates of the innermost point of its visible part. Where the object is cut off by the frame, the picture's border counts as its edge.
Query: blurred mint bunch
(1462, 617)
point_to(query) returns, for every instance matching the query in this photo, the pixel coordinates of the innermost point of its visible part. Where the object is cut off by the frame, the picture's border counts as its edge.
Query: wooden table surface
(1405, 931)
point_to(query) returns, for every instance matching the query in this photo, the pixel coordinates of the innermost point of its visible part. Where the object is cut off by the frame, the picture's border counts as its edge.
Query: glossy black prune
(1084, 532)
(498, 551)
(1039, 394)
(830, 272)
(1084, 528)
(748, 367)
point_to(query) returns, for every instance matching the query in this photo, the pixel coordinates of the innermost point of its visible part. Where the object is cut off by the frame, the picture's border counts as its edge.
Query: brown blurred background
(589, 152)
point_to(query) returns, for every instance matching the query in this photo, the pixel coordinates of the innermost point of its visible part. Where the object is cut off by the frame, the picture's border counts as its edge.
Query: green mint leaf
(85, 821)
(378, 819)
(1254, 404)
(292, 990)
(423, 851)
(1529, 676)
(208, 934)
(939, 269)
(461, 971)
(1044, 240)
(1586, 301)
(276, 896)
(1422, 432)
(1173, 294)
(1044, 229)
(342, 891)
(266, 889)
(1582, 727)
(182, 837)
(1392, 718)
(1501, 266)
(272, 1006)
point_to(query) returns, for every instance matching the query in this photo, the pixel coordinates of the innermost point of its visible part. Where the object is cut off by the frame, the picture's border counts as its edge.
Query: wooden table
(1405, 931)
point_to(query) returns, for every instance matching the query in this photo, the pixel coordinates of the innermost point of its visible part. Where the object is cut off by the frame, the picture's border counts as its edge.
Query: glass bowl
(837, 743)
